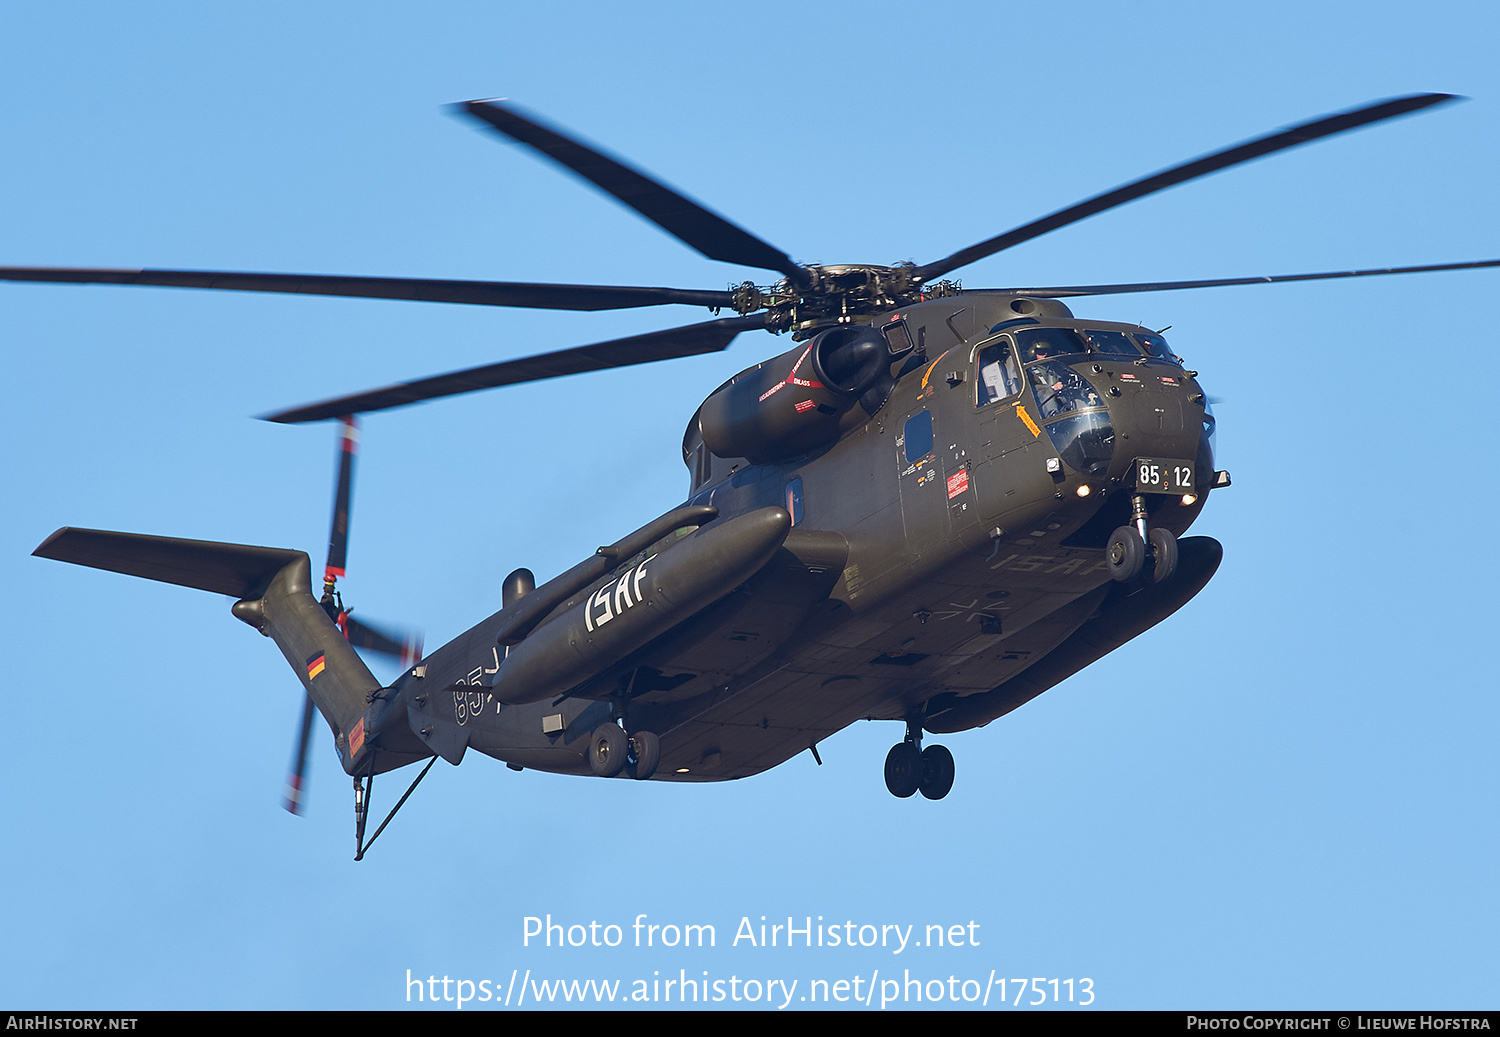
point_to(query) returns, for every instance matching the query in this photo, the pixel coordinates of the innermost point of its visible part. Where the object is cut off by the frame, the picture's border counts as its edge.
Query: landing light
(1189, 498)
(682, 770)
(1084, 491)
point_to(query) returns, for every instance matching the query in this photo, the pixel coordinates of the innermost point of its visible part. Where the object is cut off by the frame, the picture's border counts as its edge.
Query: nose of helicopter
(1160, 416)
(1103, 415)
(1150, 407)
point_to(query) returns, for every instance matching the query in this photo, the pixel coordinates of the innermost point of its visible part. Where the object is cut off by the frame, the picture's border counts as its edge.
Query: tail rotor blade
(402, 645)
(338, 535)
(292, 798)
(338, 550)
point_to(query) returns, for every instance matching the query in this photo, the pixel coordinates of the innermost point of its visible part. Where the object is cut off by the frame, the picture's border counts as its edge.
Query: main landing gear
(1126, 553)
(612, 751)
(910, 769)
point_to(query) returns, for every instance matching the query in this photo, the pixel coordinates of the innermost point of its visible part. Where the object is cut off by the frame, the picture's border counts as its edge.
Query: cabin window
(794, 499)
(998, 376)
(918, 436)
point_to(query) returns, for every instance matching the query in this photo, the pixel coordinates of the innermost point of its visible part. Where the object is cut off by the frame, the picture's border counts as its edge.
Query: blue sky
(1282, 797)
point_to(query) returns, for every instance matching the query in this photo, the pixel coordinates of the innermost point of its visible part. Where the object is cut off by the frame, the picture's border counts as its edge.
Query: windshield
(1077, 421)
(1086, 440)
(1061, 390)
(1156, 346)
(1043, 343)
(1112, 342)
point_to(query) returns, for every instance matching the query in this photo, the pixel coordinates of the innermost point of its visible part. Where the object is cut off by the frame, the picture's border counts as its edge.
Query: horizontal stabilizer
(234, 569)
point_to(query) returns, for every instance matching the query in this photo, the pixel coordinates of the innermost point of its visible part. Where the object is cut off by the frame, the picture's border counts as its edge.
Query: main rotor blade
(1172, 286)
(1301, 134)
(686, 220)
(416, 289)
(708, 337)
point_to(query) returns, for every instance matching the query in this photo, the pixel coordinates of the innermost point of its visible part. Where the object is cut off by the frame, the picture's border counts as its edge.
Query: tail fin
(274, 589)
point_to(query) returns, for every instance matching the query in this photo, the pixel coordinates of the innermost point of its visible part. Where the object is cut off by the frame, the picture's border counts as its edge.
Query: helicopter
(937, 504)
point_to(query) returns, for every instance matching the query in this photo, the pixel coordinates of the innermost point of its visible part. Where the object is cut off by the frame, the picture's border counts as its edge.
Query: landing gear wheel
(903, 770)
(1126, 554)
(607, 750)
(1163, 554)
(937, 772)
(645, 754)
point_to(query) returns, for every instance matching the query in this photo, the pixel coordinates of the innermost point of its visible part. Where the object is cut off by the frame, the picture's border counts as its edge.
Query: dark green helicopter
(937, 504)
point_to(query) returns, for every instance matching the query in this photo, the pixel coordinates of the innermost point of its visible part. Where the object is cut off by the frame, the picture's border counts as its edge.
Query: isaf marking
(1081, 565)
(613, 599)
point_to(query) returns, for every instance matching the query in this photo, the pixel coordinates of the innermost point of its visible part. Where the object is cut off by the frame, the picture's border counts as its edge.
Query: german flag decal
(314, 665)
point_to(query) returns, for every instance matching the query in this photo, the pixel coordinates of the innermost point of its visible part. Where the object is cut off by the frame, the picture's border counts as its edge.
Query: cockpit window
(1045, 343)
(1112, 342)
(1060, 390)
(998, 377)
(1156, 346)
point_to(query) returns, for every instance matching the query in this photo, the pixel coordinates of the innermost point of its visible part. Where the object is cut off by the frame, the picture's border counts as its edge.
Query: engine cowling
(798, 401)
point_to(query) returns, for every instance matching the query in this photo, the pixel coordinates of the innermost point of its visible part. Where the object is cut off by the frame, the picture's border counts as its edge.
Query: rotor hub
(837, 294)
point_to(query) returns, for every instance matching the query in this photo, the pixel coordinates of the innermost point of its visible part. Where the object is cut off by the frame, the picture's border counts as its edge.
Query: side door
(1009, 444)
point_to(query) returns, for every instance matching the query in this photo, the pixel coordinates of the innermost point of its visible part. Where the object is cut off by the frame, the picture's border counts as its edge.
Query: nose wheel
(1127, 553)
(910, 769)
(1163, 554)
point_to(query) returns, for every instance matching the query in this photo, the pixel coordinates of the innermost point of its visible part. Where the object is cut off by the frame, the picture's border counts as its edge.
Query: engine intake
(799, 400)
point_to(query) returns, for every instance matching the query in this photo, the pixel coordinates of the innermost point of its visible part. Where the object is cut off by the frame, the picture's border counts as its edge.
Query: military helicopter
(936, 505)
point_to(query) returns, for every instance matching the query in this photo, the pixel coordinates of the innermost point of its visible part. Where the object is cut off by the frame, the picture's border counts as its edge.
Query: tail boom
(274, 589)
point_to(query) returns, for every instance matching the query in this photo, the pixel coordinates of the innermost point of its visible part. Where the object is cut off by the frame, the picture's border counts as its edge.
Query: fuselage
(939, 547)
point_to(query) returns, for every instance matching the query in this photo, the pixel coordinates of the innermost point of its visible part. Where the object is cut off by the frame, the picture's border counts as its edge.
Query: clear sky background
(1282, 797)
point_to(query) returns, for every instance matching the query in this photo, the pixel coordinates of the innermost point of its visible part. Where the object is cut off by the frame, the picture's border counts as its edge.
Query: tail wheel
(1126, 554)
(645, 754)
(607, 750)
